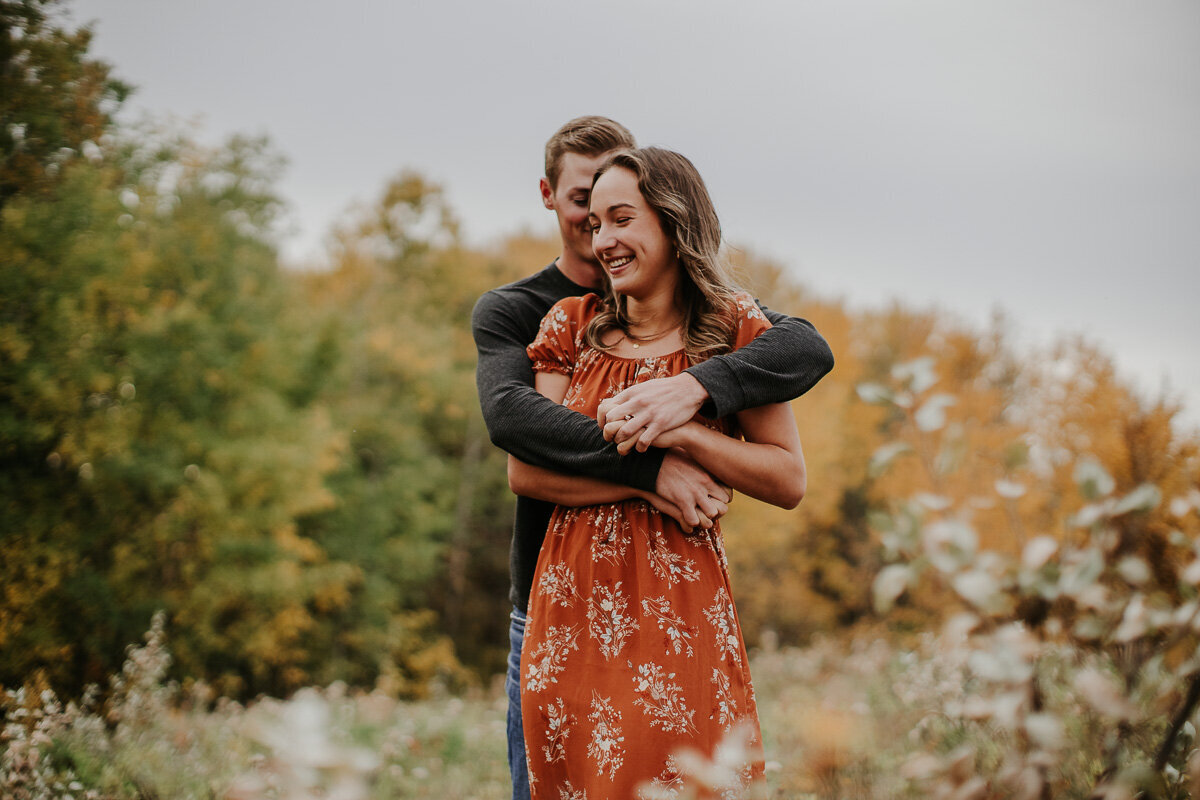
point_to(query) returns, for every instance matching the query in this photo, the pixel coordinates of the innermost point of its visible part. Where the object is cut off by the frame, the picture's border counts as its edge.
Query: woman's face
(628, 238)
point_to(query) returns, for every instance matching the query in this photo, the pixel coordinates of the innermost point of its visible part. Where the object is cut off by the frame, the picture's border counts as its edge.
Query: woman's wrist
(683, 437)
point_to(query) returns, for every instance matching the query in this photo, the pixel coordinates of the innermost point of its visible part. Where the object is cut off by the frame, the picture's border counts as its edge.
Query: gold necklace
(638, 341)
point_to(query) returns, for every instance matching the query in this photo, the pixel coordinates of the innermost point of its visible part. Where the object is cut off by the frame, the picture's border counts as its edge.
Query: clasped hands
(655, 413)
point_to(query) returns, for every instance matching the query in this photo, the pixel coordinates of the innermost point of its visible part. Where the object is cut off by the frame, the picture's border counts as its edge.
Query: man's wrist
(722, 392)
(694, 390)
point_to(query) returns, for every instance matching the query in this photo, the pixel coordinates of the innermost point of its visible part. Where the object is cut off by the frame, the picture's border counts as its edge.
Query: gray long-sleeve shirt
(781, 364)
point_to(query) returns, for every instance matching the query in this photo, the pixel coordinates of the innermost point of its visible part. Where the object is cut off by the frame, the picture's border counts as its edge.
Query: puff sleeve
(751, 322)
(560, 336)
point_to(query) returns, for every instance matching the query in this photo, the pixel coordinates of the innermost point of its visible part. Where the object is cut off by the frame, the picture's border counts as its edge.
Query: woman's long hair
(672, 186)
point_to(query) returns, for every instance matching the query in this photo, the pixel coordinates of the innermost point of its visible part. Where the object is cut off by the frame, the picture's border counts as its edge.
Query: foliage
(154, 739)
(168, 434)
(1095, 623)
(55, 102)
(152, 453)
(423, 507)
(847, 720)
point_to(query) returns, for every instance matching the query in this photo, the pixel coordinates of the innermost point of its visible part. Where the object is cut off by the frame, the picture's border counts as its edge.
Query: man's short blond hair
(589, 136)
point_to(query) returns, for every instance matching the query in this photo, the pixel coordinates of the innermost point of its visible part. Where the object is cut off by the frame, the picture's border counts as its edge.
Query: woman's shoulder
(577, 308)
(746, 308)
(749, 319)
(567, 318)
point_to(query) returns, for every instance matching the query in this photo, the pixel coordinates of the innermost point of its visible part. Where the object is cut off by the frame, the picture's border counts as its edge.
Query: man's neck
(584, 273)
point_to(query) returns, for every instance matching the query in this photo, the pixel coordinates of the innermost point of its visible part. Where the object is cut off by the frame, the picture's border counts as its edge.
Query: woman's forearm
(565, 490)
(769, 472)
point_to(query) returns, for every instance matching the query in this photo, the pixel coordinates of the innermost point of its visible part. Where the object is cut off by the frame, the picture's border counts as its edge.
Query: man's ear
(547, 193)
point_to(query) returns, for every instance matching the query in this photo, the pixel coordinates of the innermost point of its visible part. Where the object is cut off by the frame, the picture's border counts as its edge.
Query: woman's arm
(566, 490)
(576, 490)
(768, 465)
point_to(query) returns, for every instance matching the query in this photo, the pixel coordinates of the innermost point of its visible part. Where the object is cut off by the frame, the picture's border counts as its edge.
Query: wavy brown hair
(672, 186)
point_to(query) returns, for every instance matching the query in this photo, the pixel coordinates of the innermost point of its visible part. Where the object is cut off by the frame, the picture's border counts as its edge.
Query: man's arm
(577, 490)
(780, 365)
(532, 427)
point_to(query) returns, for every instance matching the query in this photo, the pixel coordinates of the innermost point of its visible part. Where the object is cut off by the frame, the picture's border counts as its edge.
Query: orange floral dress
(632, 645)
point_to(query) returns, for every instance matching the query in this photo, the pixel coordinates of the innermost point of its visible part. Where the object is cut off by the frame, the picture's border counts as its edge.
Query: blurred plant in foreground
(1079, 657)
(154, 738)
(853, 720)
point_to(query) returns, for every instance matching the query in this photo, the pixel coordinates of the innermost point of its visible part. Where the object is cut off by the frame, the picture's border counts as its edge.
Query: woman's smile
(616, 266)
(628, 237)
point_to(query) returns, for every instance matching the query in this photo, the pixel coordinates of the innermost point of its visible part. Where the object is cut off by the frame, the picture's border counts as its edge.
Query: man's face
(569, 201)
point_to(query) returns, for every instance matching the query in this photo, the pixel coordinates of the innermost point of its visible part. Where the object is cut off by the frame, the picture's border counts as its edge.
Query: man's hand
(665, 508)
(648, 409)
(689, 488)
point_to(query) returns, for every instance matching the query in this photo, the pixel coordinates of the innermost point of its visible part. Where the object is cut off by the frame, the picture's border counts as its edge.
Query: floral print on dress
(610, 533)
(748, 309)
(668, 784)
(608, 623)
(558, 583)
(632, 649)
(666, 563)
(548, 659)
(558, 730)
(569, 792)
(727, 711)
(553, 326)
(662, 700)
(606, 746)
(679, 634)
(726, 636)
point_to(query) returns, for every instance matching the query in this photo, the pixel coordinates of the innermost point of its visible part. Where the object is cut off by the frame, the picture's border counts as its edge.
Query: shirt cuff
(725, 394)
(644, 467)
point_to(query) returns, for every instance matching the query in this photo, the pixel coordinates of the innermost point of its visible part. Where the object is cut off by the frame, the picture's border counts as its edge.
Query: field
(861, 719)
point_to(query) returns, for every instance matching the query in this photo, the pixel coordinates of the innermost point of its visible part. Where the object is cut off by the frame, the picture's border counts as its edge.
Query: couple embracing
(635, 388)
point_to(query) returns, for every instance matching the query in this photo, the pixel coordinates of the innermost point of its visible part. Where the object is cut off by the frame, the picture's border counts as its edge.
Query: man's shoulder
(548, 279)
(534, 293)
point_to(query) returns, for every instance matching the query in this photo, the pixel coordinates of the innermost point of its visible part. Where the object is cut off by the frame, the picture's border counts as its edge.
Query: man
(780, 365)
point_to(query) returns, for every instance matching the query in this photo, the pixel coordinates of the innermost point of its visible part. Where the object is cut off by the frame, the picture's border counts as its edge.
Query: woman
(633, 648)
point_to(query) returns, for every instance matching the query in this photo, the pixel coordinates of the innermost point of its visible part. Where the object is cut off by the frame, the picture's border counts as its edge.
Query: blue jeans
(512, 684)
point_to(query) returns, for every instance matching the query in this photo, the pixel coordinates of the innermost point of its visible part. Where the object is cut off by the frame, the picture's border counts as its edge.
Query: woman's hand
(642, 413)
(675, 437)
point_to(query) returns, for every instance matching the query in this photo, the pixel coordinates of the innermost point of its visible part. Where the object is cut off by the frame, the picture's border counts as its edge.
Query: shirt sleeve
(555, 347)
(778, 365)
(530, 425)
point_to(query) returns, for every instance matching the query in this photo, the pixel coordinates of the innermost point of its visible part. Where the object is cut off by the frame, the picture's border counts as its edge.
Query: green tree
(154, 454)
(422, 503)
(54, 99)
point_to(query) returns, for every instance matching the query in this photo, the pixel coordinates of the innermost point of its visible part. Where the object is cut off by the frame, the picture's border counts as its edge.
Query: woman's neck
(653, 313)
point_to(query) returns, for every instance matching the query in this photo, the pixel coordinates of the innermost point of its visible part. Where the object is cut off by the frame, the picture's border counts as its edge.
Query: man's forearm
(780, 365)
(565, 490)
(543, 433)
(534, 429)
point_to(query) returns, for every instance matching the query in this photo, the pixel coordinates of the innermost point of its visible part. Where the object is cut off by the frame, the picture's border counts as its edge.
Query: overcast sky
(1036, 156)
